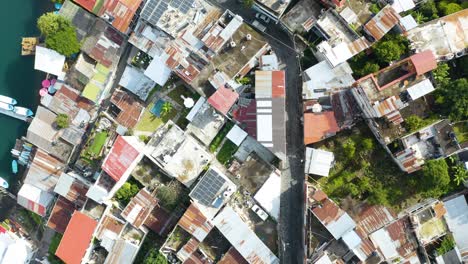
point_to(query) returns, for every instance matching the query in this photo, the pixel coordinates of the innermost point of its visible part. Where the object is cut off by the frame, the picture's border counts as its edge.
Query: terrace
(430, 223)
(206, 124)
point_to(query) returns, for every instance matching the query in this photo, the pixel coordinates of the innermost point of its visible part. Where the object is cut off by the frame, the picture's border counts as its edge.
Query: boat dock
(14, 115)
(28, 46)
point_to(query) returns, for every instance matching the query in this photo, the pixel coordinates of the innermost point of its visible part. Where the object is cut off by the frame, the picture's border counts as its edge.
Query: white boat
(23, 111)
(6, 106)
(4, 183)
(7, 100)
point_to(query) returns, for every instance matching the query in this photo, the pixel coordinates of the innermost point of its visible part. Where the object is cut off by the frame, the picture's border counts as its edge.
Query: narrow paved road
(292, 179)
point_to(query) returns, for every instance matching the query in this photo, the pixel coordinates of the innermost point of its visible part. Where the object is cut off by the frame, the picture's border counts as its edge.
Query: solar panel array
(208, 187)
(154, 9)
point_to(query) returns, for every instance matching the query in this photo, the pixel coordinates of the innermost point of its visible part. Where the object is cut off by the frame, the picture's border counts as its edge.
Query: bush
(441, 74)
(451, 99)
(154, 257)
(367, 144)
(388, 51)
(220, 136)
(446, 8)
(248, 3)
(374, 8)
(144, 138)
(429, 10)
(54, 243)
(62, 121)
(436, 178)
(413, 123)
(447, 244)
(226, 152)
(349, 149)
(168, 195)
(59, 33)
(126, 192)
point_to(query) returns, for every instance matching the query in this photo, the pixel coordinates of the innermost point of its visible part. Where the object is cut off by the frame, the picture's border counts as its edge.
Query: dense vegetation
(59, 33)
(220, 136)
(126, 192)
(54, 243)
(170, 195)
(62, 121)
(431, 9)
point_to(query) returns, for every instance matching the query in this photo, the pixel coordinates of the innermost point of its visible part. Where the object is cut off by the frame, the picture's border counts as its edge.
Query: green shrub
(126, 192)
(226, 152)
(62, 121)
(447, 244)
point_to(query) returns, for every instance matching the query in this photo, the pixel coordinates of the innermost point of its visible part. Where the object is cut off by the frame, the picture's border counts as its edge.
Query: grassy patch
(148, 122)
(461, 131)
(182, 90)
(220, 136)
(99, 140)
(54, 243)
(226, 152)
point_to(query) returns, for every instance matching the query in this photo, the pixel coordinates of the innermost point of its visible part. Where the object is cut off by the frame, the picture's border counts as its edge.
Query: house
(223, 99)
(119, 13)
(322, 80)
(125, 108)
(242, 238)
(212, 191)
(270, 91)
(136, 82)
(319, 126)
(403, 5)
(206, 123)
(246, 114)
(96, 86)
(75, 241)
(158, 71)
(268, 62)
(149, 39)
(160, 221)
(72, 188)
(44, 171)
(302, 16)
(195, 223)
(122, 159)
(382, 23)
(68, 101)
(49, 61)
(457, 222)
(396, 243)
(34, 199)
(232, 256)
(140, 207)
(104, 44)
(236, 135)
(123, 251)
(177, 153)
(61, 215)
(268, 196)
(273, 8)
(441, 36)
(318, 162)
(15, 249)
(429, 222)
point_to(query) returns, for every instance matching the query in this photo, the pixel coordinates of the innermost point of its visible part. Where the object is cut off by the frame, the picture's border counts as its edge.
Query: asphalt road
(292, 180)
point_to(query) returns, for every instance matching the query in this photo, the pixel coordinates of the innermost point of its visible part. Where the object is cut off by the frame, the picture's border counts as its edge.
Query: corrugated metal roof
(219, 34)
(61, 215)
(223, 99)
(122, 252)
(318, 162)
(457, 221)
(373, 217)
(186, 251)
(159, 220)
(120, 158)
(420, 89)
(109, 224)
(44, 171)
(337, 221)
(318, 126)
(381, 23)
(76, 238)
(72, 189)
(268, 196)
(130, 108)
(236, 135)
(232, 256)
(34, 199)
(139, 208)
(194, 222)
(243, 239)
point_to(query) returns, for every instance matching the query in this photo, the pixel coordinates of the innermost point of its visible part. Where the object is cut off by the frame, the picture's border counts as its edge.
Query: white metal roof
(64, 183)
(403, 5)
(335, 55)
(49, 61)
(318, 162)
(269, 62)
(348, 15)
(36, 195)
(457, 221)
(382, 240)
(340, 227)
(242, 238)
(195, 108)
(268, 196)
(351, 239)
(325, 259)
(408, 22)
(420, 89)
(236, 135)
(97, 193)
(323, 77)
(158, 71)
(136, 82)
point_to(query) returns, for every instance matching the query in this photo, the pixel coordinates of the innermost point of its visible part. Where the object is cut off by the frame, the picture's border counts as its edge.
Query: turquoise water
(18, 79)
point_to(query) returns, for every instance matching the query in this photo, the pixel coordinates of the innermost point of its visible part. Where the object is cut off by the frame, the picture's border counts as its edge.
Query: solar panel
(176, 3)
(186, 6)
(208, 187)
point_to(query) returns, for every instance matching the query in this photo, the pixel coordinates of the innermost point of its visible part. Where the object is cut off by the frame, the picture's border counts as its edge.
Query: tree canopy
(452, 99)
(126, 192)
(388, 51)
(436, 178)
(60, 35)
(441, 74)
(62, 121)
(248, 3)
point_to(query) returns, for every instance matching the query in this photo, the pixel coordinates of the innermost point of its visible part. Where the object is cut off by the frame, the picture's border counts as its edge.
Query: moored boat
(14, 166)
(7, 100)
(6, 106)
(23, 111)
(4, 183)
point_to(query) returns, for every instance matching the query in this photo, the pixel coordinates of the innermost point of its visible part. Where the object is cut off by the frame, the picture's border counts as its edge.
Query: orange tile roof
(76, 239)
(318, 126)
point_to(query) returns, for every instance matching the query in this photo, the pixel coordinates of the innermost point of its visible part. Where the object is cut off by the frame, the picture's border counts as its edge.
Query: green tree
(367, 144)
(374, 8)
(413, 123)
(436, 178)
(429, 9)
(62, 121)
(447, 244)
(349, 149)
(126, 192)
(447, 8)
(419, 17)
(388, 51)
(369, 68)
(50, 23)
(154, 257)
(166, 108)
(248, 3)
(441, 74)
(452, 99)
(64, 41)
(378, 194)
(460, 174)
(168, 195)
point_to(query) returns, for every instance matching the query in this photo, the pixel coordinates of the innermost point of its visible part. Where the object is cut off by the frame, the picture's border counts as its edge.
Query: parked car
(263, 17)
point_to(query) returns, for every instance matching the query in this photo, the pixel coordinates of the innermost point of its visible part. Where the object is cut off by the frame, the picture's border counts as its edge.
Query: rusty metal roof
(160, 221)
(232, 256)
(61, 215)
(44, 171)
(380, 24)
(111, 224)
(139, 208)
(195, 223)
(188, 249)
(373, 217)
(130, 108)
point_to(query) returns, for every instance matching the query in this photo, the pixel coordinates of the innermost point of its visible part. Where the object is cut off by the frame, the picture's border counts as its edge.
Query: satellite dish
(188, 102)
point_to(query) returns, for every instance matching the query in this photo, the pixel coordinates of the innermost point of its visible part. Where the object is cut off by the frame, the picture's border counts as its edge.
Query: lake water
(18, 79)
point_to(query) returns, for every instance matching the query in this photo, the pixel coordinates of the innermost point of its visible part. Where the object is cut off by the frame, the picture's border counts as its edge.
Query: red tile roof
(130, 108)
(318, 126)
(223, 99)
(61, 215)
(76, 238)
(119, 158)
(424, 62)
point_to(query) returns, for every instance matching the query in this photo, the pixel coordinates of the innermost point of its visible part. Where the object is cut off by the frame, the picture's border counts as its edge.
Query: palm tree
(166, 108)
(419, 17)
(461, 174)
